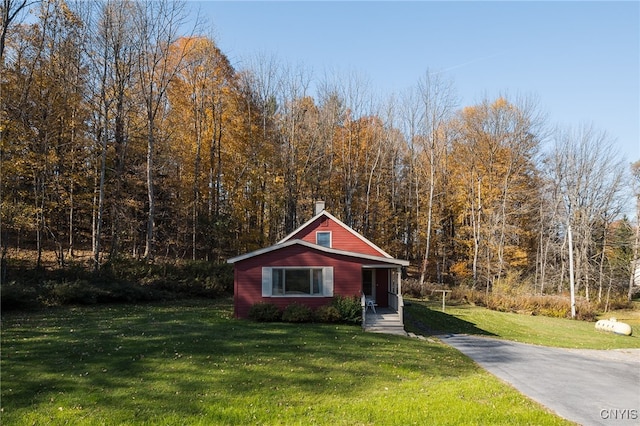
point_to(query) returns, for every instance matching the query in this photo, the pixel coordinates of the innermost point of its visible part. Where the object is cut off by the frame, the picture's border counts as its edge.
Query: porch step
(374, 321)
(398, 330)
(384, 322)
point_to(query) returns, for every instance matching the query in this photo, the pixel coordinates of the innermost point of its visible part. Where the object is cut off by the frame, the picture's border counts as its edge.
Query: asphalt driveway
(589, 387)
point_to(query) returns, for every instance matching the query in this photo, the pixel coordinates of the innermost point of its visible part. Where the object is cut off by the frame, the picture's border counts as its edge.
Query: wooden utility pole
(572, 287)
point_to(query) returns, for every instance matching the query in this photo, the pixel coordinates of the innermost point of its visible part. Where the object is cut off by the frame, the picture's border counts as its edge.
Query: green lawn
(427, 318)
(191, 363)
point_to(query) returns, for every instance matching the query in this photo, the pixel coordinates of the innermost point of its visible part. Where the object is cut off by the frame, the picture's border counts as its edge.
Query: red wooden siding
(341, 238)
(347, 276)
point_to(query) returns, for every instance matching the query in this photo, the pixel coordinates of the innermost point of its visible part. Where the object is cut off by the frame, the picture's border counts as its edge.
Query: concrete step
(384, 323)
(383, 328)
(382, 320)
(383, 315)
(387, 327)
(387, 330)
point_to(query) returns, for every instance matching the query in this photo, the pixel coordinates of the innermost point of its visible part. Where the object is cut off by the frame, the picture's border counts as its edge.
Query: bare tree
(158, 23)
(354, 90)
(261, 84)
(296, 146)
(588, 176)
(111, 55)
(438, 99)
(411, 117)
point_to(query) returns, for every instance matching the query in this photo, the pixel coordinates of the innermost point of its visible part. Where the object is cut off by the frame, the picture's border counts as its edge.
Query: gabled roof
(388, 260)
(342, 224)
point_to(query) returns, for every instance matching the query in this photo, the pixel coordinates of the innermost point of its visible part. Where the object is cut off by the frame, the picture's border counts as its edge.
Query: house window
(323, 239)
(297, 281)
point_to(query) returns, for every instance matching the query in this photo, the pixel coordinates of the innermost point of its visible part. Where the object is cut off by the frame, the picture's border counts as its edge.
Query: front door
(369, 284)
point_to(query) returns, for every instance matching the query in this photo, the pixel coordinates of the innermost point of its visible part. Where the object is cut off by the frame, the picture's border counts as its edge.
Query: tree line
(122, 135)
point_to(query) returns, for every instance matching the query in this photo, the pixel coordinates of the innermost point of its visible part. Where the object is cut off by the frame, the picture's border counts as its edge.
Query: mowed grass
(427, 318)
(191, 363)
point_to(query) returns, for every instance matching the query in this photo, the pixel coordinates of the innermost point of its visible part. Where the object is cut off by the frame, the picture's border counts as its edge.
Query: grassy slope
(190, 363)
(427, 318)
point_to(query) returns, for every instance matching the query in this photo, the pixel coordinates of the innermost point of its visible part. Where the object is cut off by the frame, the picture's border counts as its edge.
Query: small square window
(323, 239)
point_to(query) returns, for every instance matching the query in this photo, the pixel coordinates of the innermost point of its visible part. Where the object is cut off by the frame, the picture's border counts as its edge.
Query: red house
(319, 260)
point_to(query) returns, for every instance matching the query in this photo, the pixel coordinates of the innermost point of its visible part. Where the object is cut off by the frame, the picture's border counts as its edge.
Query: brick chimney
(319, 207)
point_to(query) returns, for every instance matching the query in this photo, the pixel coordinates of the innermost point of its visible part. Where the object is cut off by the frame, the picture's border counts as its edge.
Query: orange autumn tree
(493, 176)
(203, 98)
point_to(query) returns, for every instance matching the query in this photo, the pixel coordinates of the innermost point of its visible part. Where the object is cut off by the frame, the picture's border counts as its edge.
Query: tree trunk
(151, 198)
(602, 259)
(196, 172)
(432, 178)
(101, 192)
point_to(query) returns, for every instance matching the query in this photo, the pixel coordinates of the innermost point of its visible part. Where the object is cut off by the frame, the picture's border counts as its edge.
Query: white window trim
(327, 281)
(330, 237)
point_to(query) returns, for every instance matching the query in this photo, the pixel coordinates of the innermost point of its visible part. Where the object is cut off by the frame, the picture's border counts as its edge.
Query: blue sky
(581, 60)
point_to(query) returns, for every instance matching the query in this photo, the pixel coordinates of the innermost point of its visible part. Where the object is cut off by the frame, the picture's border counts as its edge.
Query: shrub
(411, 287)
(547, 305)
(327, 314)
(203, 279)
(15, 296)
(264, 312)
(78, 292)
(296, 312)
(584, 311)
(125, 292)
(121, 279)
(614, 303)
(184, 278)
(349, 308)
